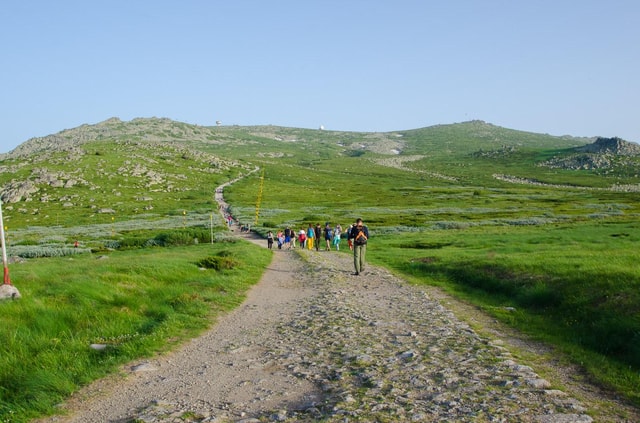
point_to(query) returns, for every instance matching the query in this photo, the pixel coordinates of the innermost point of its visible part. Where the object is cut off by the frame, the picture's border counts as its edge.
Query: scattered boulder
(98, 347)
(9, 292)
(16, 191)
(144, 367)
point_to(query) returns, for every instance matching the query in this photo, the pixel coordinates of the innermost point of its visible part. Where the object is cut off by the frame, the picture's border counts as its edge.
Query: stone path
(314, 343)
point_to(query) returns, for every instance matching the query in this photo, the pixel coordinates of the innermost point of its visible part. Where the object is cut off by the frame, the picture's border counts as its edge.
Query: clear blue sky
(549, 66)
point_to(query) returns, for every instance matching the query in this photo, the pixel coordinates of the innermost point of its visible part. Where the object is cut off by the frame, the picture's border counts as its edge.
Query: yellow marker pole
(259, 200)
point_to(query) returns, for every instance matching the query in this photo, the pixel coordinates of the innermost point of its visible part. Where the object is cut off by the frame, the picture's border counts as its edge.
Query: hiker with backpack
(302, 238)
(311, 235)
(336, 236)
(328, 235)
(287, 237)
(270, 240)
(359, 234)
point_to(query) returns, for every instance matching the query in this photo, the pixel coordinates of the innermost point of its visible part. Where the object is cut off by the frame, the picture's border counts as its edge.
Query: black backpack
(359, 236)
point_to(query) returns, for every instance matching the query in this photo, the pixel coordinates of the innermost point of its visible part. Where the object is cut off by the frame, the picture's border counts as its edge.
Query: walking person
(280, 238)
(349, 241)
(287, 237)
(359, 233)
(269, 240)
(336, 237)
(302, 238)
(328, 235)
(311, 234)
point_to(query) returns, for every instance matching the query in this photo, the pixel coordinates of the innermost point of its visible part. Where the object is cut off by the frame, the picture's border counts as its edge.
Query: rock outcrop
(604, 153)
(612, 146)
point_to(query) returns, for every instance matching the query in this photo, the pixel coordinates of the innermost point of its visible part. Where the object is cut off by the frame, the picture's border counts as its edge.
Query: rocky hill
(611, 146)
(140, 129)
(604, 153)
(118, 168)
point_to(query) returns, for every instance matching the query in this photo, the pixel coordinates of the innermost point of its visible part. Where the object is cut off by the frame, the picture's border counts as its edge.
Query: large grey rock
(9, 292)
(17, 190)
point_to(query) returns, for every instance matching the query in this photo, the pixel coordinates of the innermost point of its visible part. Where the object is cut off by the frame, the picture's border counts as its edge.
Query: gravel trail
(312, 342)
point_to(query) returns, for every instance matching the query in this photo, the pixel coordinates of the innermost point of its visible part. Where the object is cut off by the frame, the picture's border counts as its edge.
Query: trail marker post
(7, 280)
(211, 227)
(255, 223)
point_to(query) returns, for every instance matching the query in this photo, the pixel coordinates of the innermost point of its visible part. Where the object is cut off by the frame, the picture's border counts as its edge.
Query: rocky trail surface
(312, 342)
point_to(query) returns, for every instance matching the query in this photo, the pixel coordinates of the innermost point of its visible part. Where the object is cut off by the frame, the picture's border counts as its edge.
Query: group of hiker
(324, 237)
(311, 237)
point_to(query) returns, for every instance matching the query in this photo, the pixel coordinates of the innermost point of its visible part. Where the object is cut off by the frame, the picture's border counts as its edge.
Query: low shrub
(178, 237)
(528, 221)
(218, 263)
(424, 245)
(451, 225)
(28, 251)
(111, 244)
(224, 237)
(183, 237)
(133, 242)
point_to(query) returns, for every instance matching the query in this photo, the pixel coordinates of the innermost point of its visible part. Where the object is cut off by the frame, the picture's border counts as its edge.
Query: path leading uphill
(312, 342)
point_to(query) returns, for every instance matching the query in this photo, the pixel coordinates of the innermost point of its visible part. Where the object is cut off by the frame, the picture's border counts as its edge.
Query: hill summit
(139, 129)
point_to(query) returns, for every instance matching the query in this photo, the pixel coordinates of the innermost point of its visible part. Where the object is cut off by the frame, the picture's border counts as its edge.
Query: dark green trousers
(359, 253)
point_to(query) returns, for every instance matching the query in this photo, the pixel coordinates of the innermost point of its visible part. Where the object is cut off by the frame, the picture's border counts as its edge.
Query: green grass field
(468, 207)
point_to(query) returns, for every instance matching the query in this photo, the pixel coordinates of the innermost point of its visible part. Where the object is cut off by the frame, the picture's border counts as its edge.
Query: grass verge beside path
(575, 287)
(131, 304)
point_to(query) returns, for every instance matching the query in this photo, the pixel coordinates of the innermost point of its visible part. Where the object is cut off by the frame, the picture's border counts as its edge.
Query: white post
(7, 281)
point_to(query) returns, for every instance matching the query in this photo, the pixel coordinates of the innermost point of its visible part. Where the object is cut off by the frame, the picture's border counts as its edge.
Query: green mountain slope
(150, 168)
(91, 175)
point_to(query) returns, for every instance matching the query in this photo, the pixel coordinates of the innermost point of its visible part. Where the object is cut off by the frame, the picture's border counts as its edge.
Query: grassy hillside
(529, 227)
(124, 180)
